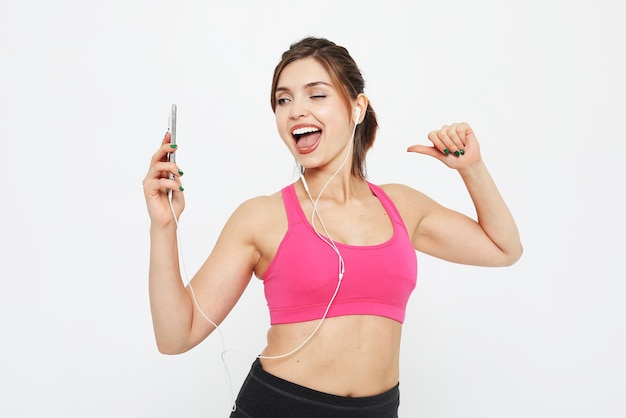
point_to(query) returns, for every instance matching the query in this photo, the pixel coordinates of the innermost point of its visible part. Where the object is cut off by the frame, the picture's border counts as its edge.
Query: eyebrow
(307, 85)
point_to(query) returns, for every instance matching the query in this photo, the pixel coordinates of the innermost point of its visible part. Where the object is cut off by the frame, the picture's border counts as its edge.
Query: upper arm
(455, 237)
(445, 233)
(223, 277)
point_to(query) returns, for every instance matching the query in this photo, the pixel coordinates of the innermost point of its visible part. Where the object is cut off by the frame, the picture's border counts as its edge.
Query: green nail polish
(462, 152)
(181, 189)
(173, 146)
(180, 172)
(457, 153)
(446, 151)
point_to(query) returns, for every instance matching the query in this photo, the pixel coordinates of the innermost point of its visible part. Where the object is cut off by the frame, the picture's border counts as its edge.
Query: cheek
(334, 117)
(281, 127)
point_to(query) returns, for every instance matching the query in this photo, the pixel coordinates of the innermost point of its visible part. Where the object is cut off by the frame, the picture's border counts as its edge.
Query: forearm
(170, 303)
(493, 215)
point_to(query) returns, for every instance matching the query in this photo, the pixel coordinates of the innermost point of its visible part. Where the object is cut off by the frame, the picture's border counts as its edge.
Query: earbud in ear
(357, 115)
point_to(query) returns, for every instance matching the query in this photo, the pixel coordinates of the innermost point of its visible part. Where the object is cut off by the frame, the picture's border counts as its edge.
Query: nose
(297, 110)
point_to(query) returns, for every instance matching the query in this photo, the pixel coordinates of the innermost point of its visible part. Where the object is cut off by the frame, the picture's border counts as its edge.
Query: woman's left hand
(454, 145)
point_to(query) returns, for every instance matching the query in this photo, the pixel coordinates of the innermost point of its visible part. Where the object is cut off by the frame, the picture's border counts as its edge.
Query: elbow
(167, 350)
(513, 256)
(170, 347)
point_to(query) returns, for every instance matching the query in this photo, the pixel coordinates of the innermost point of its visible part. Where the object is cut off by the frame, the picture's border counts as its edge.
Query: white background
(85, 91)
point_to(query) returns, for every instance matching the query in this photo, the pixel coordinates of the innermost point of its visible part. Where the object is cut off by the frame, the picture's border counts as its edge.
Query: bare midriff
(354, 355)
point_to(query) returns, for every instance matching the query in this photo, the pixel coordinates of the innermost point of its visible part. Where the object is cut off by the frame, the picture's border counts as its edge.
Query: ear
(360, 108)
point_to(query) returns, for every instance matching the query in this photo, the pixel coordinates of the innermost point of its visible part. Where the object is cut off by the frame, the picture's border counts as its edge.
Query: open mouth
(303, 132)
(306, 137)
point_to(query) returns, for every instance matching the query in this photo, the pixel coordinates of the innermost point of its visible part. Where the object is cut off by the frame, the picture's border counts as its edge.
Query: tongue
(307, 141)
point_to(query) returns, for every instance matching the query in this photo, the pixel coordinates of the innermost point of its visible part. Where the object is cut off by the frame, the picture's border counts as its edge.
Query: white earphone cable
(327, 239)
(187, 280)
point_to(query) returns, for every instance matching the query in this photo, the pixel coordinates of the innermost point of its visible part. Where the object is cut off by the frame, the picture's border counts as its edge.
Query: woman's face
(311, 115)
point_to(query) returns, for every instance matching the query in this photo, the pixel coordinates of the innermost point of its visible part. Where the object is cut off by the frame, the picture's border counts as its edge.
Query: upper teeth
(305, 130)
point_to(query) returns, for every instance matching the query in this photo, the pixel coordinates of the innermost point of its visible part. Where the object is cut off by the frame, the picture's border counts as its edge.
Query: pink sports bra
(302, 278)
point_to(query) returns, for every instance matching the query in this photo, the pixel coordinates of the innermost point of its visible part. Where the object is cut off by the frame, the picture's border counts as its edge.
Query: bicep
(223, 277)
(455, 237)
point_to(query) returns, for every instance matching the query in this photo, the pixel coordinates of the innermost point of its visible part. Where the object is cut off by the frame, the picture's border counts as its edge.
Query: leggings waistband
(265, 395)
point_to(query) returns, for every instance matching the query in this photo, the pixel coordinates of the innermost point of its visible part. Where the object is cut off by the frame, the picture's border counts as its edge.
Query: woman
(336, 253)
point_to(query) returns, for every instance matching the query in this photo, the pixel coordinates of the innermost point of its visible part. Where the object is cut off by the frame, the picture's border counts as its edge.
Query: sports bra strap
(292, 204)
(390, 208)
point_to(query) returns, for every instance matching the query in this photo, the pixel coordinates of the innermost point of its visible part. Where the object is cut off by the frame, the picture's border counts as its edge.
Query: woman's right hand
(157, 182)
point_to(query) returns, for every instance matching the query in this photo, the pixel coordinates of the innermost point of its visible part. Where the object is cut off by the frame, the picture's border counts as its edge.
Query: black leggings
(263, 395)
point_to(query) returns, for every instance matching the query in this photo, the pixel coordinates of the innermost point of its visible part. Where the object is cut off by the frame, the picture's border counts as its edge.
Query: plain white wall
(85, 89)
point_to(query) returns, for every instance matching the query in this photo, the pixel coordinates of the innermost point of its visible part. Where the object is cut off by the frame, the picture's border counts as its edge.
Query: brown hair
(347, 77)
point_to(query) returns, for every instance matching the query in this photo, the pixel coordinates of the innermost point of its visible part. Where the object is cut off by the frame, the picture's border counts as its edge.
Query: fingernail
(180, 172)
(446, 151)
(181, 189)
(173, 146)
(457, 153)
(462, 152)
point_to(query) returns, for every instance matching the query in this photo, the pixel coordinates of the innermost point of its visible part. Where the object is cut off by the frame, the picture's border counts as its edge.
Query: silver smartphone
(171, 128)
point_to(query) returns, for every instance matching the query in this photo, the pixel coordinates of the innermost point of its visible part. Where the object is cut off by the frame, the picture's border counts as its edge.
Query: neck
(339, 187)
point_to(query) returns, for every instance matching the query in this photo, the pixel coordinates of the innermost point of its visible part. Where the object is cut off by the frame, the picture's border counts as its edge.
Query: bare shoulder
(259, 209)
(259, 219)
(262, 220)
(396, 190)
(403, 195)
(412, 204)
